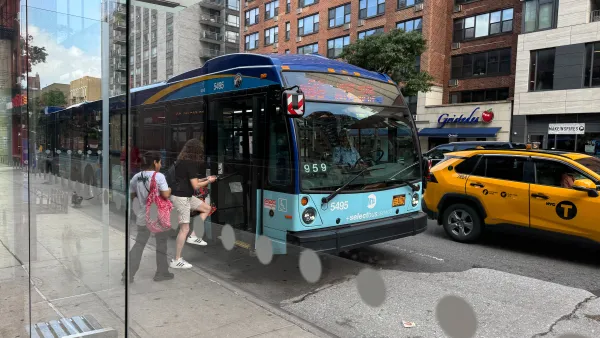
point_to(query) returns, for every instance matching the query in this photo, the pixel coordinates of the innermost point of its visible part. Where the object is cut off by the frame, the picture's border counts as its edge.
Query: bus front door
(233, 152)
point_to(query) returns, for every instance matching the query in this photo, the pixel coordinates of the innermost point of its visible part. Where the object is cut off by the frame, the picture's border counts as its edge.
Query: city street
(506, 277)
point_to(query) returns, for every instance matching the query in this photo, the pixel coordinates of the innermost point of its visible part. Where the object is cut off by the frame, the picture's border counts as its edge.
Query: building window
(271, 9)
(308, 25)
(411, 102)
(418, 64)
(233, 4)
(232, 37)
(287, 51)
(335, 47)
(232, 20)
(411, 25)
(287, 31)
(251, 41)
(252, 16)
(339, 15)
(541, 70)
(271, 35)
(309, 49)
(371, 8)
(288, 6)
(468, 96)
(592, 65)
(539, 15)
(494, 62)
(408, 3)
(304, 3)
(483, 25)
(374, 31)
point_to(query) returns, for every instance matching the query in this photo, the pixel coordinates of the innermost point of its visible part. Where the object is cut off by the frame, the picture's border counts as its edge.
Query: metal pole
(105, 135)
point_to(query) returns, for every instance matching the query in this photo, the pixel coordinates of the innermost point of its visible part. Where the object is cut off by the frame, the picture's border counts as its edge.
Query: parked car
(550, 191)
(437, 154)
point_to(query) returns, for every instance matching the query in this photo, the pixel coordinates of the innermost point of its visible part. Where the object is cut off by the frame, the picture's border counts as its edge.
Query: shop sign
(487, 116)
(566, 128)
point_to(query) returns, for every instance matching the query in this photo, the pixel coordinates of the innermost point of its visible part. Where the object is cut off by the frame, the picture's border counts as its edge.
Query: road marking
(416, 253)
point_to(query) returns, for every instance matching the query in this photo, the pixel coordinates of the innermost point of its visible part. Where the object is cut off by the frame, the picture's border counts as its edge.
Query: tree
(32, 55)
(52, 98)
(393, 53)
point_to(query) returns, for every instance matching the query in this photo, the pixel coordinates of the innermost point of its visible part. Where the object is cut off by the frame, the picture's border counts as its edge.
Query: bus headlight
(309, 215)
(415, 199)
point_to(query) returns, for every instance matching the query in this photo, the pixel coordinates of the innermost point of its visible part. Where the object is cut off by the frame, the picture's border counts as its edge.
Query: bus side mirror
(293, 103)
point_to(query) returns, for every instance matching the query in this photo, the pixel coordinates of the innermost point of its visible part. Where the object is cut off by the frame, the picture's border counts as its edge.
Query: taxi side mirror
(587, 186)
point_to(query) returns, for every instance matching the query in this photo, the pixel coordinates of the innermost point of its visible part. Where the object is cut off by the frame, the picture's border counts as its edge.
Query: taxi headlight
(415, 199)
(309, 215)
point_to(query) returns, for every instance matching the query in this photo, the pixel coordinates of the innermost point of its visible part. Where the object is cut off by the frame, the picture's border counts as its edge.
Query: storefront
(488, 121)
(568, 132)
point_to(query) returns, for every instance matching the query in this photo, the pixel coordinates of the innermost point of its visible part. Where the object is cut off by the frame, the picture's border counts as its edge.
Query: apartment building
(85, 89)
(471, 52)
(557, 82)
(164, 42)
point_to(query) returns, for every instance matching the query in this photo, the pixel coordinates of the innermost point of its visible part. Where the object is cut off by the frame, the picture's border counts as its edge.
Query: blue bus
(312, 152)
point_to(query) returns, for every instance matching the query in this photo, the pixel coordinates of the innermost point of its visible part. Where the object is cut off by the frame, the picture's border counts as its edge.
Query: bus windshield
(336, 141)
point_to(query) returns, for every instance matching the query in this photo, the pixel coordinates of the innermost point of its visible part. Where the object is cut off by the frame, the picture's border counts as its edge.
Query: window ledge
(403, 8)
(372, 17)
(480, 76)
(309, 34)
(486, 37)
(338, 26)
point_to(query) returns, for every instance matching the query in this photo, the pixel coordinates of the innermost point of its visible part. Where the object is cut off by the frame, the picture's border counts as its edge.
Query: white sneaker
(196, 241)
(180, 264)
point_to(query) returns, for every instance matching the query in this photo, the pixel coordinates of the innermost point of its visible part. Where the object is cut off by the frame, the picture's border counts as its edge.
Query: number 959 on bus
(315, 168)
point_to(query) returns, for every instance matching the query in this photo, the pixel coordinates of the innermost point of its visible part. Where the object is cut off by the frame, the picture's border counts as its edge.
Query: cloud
(64, 63)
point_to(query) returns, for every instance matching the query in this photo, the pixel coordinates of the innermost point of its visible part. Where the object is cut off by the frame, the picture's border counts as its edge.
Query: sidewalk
(77, 271)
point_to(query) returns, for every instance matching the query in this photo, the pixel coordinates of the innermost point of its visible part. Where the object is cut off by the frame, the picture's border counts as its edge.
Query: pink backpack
(164, 209)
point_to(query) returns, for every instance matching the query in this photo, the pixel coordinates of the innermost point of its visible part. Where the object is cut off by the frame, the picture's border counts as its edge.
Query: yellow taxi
(545, 190)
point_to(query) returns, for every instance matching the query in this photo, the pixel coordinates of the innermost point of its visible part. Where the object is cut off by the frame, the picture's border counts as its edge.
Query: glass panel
(530, 16)
(545, 16)
(545, 70)
(482, 25)
(595, 71)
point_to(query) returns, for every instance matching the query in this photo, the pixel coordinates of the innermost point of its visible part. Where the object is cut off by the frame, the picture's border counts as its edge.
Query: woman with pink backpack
(150, 187)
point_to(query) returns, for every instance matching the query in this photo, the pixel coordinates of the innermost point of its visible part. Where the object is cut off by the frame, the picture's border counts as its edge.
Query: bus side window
(279, 172)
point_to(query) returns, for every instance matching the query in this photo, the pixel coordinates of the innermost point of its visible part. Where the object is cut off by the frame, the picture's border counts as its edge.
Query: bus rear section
(357, 164)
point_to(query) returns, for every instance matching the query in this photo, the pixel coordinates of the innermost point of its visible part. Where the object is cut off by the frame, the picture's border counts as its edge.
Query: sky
(71, 35)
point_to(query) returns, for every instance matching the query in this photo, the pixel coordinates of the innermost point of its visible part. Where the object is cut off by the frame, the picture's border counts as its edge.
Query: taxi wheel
(462, 223)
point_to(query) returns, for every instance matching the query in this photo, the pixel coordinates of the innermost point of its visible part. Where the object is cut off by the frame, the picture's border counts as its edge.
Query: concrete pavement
(77, 271)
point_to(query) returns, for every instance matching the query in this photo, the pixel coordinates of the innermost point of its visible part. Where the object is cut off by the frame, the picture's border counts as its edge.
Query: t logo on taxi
(566, 210)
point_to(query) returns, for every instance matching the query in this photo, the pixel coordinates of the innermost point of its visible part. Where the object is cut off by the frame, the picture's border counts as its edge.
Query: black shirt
(186, 170)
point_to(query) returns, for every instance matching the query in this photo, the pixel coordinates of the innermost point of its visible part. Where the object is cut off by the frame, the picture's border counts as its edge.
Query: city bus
(311, 152)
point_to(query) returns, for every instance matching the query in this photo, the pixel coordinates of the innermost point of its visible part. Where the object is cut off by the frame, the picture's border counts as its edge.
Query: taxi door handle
(540, 196)
(476, 184)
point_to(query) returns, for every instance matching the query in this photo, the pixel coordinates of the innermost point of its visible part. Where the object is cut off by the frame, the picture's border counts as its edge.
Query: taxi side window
(508, 168)
(468, 166)
(552, 173)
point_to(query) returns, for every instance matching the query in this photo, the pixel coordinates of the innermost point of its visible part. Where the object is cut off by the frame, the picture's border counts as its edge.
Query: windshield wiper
(326, 200)
(411, 185)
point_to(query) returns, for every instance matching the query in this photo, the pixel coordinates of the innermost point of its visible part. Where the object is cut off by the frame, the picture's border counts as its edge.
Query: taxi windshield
(592, 163)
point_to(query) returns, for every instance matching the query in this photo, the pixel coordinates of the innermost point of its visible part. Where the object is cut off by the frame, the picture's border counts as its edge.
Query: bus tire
(462, 223)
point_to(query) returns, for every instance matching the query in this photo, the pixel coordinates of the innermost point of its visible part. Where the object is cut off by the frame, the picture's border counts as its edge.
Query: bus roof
(293, 62)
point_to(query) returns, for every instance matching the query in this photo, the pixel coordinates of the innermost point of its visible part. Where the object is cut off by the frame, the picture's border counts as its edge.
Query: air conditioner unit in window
(245, 3)
(298, 39)
(418, 7)
(453, 83)
(457, 8)
(276, 18)
(275, 45)
(299, 10)
(245, 29)
(455, 45)
(361, 23)
(346, 26)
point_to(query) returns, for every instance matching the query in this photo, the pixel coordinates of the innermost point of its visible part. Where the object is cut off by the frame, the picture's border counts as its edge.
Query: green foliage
(33, 54)
(55, 98)
(393, 53)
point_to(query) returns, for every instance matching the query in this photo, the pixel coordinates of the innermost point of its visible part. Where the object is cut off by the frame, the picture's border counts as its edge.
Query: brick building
(471, 48)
